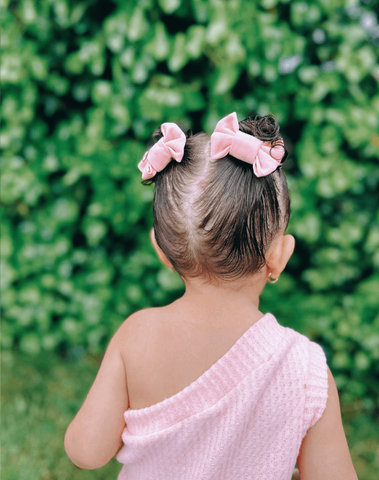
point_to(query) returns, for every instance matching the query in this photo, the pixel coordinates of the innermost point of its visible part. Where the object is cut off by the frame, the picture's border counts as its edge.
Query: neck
(217, 302)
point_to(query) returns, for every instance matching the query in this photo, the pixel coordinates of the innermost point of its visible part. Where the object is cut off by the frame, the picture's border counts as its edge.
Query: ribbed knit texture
(244, 418)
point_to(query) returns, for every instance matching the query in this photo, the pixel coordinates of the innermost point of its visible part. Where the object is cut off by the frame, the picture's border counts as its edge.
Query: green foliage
(84, 86)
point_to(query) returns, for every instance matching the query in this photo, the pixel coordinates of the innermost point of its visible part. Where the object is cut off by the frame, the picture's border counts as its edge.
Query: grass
(41, 396)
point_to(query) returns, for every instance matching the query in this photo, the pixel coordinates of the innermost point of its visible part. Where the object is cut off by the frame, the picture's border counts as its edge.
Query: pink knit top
(244, 418)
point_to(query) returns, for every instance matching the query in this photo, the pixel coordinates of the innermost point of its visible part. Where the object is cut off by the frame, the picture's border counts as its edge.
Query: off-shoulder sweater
(244, 418)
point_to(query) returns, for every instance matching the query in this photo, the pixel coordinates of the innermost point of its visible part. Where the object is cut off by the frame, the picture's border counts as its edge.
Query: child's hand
(296, 474)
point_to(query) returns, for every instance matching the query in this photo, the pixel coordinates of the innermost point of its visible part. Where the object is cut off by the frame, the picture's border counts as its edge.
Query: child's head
(216, 220)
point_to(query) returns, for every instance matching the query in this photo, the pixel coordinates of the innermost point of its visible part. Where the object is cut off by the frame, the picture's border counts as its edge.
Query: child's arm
(324, 453)
(94, 436)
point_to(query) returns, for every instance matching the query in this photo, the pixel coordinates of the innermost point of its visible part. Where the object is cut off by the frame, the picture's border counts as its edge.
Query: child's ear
(159, 251)
(278, 254)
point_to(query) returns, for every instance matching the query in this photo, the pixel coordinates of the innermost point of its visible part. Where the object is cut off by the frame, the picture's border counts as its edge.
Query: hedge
(84, 86)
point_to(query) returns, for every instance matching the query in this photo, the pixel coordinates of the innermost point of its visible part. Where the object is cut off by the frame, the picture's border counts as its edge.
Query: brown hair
(216, 220)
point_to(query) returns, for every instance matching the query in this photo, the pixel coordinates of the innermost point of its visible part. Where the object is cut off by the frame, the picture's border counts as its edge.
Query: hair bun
(266, 129)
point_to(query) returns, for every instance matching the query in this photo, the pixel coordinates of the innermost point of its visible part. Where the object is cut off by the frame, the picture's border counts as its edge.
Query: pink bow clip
(227, 138)
(171, 145)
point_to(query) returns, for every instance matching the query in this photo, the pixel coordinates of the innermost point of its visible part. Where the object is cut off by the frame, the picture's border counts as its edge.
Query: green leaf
(169, 6)
(179, 56)
(138, 25)
(195, 41)
(225, 79)
(101, 90)
(159, 45)
(94, 230)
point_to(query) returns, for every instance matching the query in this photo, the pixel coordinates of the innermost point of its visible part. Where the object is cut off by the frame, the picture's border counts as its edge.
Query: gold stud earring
(272, 281)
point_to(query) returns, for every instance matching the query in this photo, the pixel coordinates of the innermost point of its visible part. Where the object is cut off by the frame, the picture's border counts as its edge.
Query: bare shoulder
(138, 329)
(141, 319)
(144, 314)
(324, 453)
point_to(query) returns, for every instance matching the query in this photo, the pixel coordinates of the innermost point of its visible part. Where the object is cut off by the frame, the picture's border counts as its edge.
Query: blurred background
(84, 84)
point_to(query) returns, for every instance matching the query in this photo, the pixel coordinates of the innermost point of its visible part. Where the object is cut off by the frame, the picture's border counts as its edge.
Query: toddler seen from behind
(217, 389)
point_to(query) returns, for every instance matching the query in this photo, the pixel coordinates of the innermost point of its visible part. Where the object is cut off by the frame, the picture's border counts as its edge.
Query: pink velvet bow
(171, 145)
(227, 138)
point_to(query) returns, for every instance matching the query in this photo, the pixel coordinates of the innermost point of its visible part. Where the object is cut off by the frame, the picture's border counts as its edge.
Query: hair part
(216, 220)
